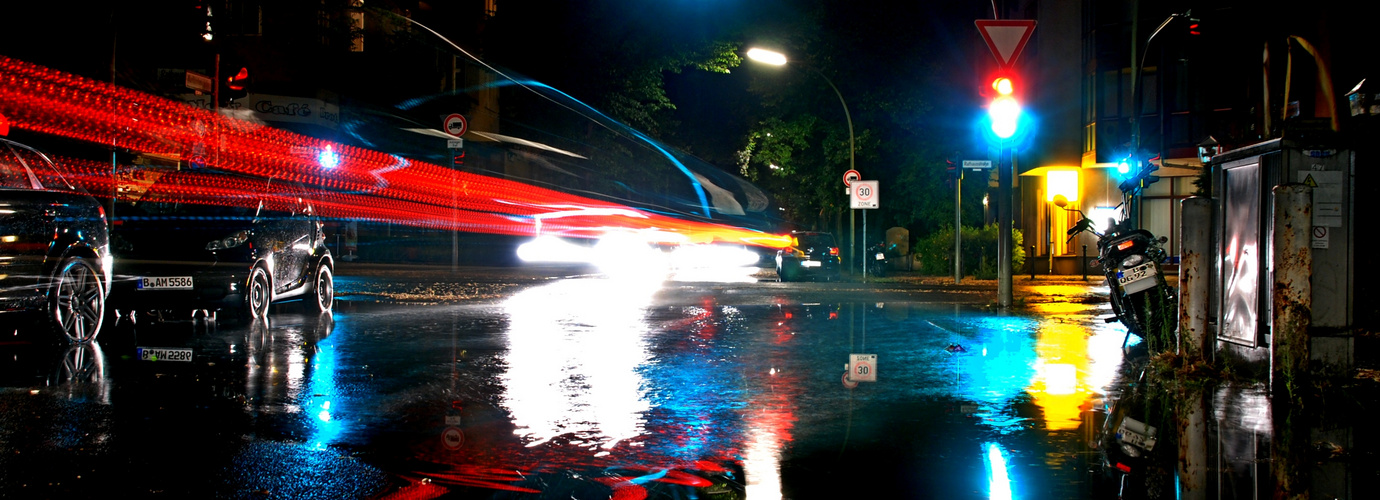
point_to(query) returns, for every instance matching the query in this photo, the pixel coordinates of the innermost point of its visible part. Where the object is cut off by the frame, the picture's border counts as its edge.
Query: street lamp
(775, 58)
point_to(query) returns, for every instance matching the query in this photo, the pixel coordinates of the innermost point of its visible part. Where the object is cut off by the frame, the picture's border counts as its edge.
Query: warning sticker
(1327, 196)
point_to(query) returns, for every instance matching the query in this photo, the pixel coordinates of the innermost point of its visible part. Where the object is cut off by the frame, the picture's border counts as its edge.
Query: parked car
(238, 252)
(812, 255)
(54, 245)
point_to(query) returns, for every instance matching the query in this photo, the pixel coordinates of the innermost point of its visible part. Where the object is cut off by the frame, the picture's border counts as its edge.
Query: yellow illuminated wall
(1065, 183)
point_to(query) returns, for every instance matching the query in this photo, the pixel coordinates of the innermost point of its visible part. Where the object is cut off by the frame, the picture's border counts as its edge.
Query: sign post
(455, 124)
(1006, 38)
(864, 196)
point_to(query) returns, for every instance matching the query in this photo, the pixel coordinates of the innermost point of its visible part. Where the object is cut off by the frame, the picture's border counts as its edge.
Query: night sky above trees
(676, 71)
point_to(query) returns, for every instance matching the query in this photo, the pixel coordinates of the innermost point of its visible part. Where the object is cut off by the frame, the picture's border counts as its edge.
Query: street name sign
(977, 164)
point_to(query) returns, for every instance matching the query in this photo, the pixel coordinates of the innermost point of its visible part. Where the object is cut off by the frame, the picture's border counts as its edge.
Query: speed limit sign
(864, 195)
(862, 367)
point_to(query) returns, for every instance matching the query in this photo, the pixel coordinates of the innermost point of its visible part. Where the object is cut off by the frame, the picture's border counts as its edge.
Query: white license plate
(165, 282)
(1136, 439)
(1132, 275)
(881, 256)
(164, 354)
(810, 263)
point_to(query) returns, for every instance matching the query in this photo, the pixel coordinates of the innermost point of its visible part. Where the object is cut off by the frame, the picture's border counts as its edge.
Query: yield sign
(1006, 37)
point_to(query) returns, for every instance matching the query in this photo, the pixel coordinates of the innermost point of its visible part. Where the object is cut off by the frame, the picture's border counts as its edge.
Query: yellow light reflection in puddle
(1061, 387)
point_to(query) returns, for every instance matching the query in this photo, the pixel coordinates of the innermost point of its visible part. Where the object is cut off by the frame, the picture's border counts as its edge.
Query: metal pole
(1195, 264)
(1194, 343)
(1292, 288)
(864, 238)
(958, 227)
(1004, 248)
(852, 165)
(1084, 258)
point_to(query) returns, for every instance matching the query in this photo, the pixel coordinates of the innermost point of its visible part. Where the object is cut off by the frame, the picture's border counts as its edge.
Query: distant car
(54, 245)
(812, 255)
(261, 244)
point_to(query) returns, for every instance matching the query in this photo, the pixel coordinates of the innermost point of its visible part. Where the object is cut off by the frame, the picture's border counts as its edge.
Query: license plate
(810, 263)
(1136, 439)
(165, 282)
(881, 256)
(164, 354)
(1132, 275)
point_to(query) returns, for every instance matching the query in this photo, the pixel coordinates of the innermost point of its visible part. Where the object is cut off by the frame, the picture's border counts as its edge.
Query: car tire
(322, 290)
(76, 301)
(258, 293)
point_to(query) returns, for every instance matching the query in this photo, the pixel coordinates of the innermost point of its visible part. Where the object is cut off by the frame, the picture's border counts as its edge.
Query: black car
(183, 246)
(54, 245)
(811, 255)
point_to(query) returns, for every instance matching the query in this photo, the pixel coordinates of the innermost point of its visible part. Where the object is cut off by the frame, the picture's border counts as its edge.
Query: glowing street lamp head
(767, 56)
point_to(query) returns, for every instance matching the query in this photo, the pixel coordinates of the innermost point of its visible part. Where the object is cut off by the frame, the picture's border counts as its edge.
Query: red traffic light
(238, 81)
(1003, 86)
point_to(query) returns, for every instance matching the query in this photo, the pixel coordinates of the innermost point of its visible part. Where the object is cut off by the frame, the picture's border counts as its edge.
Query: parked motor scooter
(1130, 260)
(878, 259)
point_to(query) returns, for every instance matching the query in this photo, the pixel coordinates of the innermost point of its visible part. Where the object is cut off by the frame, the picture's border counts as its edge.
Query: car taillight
(833, 250)
(1125, 244)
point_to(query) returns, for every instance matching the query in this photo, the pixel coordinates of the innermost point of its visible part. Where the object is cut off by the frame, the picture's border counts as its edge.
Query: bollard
(1085, 262)
(1031, 259)
(1195, 262)
(1292, 290)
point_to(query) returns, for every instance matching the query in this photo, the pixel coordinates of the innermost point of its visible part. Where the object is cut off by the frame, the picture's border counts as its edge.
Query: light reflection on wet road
(583, 388)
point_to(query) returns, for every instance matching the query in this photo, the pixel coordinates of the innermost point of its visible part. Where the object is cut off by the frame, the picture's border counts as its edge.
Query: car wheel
(323, 290)
(258, 294)
(76, 302)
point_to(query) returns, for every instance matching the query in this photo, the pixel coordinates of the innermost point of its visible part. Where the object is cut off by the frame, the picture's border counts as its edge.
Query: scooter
(1128, 441)
(877, 260)
(1130, 260)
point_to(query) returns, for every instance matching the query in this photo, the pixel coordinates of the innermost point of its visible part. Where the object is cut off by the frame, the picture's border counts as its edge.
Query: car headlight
(227, 242)
(1132, 261)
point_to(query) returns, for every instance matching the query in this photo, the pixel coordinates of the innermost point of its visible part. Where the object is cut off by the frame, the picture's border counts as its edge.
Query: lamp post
(778, 59)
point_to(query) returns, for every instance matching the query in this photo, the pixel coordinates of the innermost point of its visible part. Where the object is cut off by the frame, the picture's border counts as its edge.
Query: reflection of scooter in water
(1128, 440)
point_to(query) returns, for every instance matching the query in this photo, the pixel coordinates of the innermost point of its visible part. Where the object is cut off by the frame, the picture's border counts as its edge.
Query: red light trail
(363, 185)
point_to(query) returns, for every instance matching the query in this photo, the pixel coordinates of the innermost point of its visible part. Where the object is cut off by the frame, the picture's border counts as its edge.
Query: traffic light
(1004, 110)
(1006, 123)
(236, 84)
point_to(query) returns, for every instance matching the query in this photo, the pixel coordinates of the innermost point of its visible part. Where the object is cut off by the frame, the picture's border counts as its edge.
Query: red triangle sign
(1006, 37)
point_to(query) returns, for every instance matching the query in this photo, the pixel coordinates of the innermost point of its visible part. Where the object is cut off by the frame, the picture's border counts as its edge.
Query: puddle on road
(588, 388)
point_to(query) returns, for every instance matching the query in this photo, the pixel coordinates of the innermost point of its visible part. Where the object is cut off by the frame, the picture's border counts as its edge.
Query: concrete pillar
(1291, 288)
(1193, 452)
(1195, 266)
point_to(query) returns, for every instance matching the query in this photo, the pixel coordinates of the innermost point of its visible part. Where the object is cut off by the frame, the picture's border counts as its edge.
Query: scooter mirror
(1060, 201)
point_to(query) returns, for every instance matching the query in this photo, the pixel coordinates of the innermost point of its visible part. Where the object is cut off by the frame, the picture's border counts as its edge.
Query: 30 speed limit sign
(862, 367)
(864, 195)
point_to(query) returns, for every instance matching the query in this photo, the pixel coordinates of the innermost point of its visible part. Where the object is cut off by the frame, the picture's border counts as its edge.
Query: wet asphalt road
(553, 383)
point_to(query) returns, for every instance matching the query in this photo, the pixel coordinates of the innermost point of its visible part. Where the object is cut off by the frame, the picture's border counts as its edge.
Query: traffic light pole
(1004, 243)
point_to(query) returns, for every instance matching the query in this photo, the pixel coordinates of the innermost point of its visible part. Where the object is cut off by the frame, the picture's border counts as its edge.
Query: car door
(290, 233)
(27, 224)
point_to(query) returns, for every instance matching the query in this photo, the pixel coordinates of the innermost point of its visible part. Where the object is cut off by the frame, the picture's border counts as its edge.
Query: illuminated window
(1061, 182)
